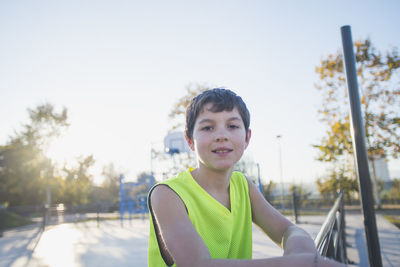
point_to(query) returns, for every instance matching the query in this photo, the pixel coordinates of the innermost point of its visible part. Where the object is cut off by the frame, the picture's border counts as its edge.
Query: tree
(174, 163)
(378, 76)
(268, 190)
(143, 187)
(144, 177)
(395, 190)
(393, 194)
(337, 179)
(178, 111)
(248, 167)
(110, 185)
(78, 182)
(45, 125)
(301, 194)
(177, 162)
(25, 170)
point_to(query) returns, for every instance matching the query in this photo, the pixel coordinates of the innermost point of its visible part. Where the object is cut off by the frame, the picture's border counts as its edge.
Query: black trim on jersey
(156, 228)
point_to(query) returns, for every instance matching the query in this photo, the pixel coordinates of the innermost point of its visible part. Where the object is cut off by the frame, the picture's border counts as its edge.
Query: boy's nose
(221, 135)
(219, 139)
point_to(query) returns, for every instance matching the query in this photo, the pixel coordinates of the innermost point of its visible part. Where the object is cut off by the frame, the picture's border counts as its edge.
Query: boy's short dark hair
(221, 99)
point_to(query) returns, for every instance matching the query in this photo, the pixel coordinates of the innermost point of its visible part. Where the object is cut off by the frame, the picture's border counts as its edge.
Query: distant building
(311, 188)
(381, 170)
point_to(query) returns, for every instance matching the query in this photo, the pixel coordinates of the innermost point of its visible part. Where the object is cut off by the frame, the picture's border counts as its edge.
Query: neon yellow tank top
(227, 234)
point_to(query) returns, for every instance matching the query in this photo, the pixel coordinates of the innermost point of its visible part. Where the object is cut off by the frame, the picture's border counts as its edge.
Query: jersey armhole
(167, 258)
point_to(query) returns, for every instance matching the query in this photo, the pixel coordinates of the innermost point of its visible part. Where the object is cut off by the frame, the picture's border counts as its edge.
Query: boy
(203, 217)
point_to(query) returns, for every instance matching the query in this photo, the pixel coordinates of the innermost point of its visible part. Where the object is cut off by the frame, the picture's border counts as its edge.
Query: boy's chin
(218, 166)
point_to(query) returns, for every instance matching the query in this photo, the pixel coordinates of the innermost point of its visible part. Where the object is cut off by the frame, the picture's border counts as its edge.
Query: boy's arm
(288, 236)
(187, 248)
(183, 242)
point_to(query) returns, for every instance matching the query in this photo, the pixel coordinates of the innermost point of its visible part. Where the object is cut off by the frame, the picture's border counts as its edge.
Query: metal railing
(331, 239)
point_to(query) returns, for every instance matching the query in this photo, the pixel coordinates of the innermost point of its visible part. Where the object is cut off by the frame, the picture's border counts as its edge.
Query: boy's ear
(248, 138)
(189, 142)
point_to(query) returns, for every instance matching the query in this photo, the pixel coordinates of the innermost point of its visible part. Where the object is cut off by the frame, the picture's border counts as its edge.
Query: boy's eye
(233, 126)
(207, 128)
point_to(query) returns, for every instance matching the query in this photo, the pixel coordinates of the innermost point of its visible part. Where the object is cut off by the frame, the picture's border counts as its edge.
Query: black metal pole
(343, 229)
(295, 202)
(358, 134)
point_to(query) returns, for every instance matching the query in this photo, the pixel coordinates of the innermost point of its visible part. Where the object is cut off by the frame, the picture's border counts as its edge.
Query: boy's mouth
(222, 150)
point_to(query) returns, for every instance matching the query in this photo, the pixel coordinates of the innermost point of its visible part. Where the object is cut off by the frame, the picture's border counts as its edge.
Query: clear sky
(119, 66)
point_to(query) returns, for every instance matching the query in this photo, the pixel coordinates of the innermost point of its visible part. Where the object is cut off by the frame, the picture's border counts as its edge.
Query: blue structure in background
(121, 199)
(260, 185)
(259, 180)
(132, 205)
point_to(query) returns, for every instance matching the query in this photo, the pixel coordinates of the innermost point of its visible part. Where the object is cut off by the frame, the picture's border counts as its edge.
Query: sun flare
(62, 150)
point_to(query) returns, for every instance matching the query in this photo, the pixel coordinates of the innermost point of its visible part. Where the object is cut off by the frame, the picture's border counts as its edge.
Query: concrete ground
(389, 241)
(110, 244)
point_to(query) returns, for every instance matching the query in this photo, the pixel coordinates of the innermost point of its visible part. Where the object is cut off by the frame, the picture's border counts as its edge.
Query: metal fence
(296, 205)
(43, 216)
(331, 239)
(306, 203)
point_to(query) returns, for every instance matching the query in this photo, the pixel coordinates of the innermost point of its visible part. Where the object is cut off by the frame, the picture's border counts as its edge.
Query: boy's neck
(210, 180)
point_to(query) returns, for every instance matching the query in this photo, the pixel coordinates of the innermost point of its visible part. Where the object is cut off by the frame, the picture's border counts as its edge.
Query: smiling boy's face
(219, 138)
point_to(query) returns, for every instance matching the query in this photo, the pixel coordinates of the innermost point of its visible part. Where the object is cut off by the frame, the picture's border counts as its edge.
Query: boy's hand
(295, 240)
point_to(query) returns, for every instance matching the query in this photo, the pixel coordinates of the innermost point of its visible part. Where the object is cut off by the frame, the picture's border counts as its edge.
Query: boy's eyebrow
(211, 120)
(205, 120)
(235, 119)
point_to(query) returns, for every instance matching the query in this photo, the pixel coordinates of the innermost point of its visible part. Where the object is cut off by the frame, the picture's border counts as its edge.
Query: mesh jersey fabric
(226, 233)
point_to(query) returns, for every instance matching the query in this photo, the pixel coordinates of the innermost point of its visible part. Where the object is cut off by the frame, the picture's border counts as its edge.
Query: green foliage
(248, 167)
(45, 125)
(24, 168)
(181, 161)
(378, 77)
(337, 180)
(20, 172)
(177, 113)
(394, 192)
(109, 190)
(394, 220)
(300, 192)
(336, 142)
(26, 172)
(268, 189)
(12, 220)
(174, 163)
(77, 182)
(141, 190)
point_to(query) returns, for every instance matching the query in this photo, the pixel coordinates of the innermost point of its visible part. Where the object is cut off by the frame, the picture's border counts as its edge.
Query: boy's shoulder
(238, 175)
(238, 179)
(172, 182)
(185, 177)
(179, 178)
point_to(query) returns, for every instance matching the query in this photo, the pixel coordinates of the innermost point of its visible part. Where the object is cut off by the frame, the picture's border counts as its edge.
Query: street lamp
(280, 167)
(152, 156)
